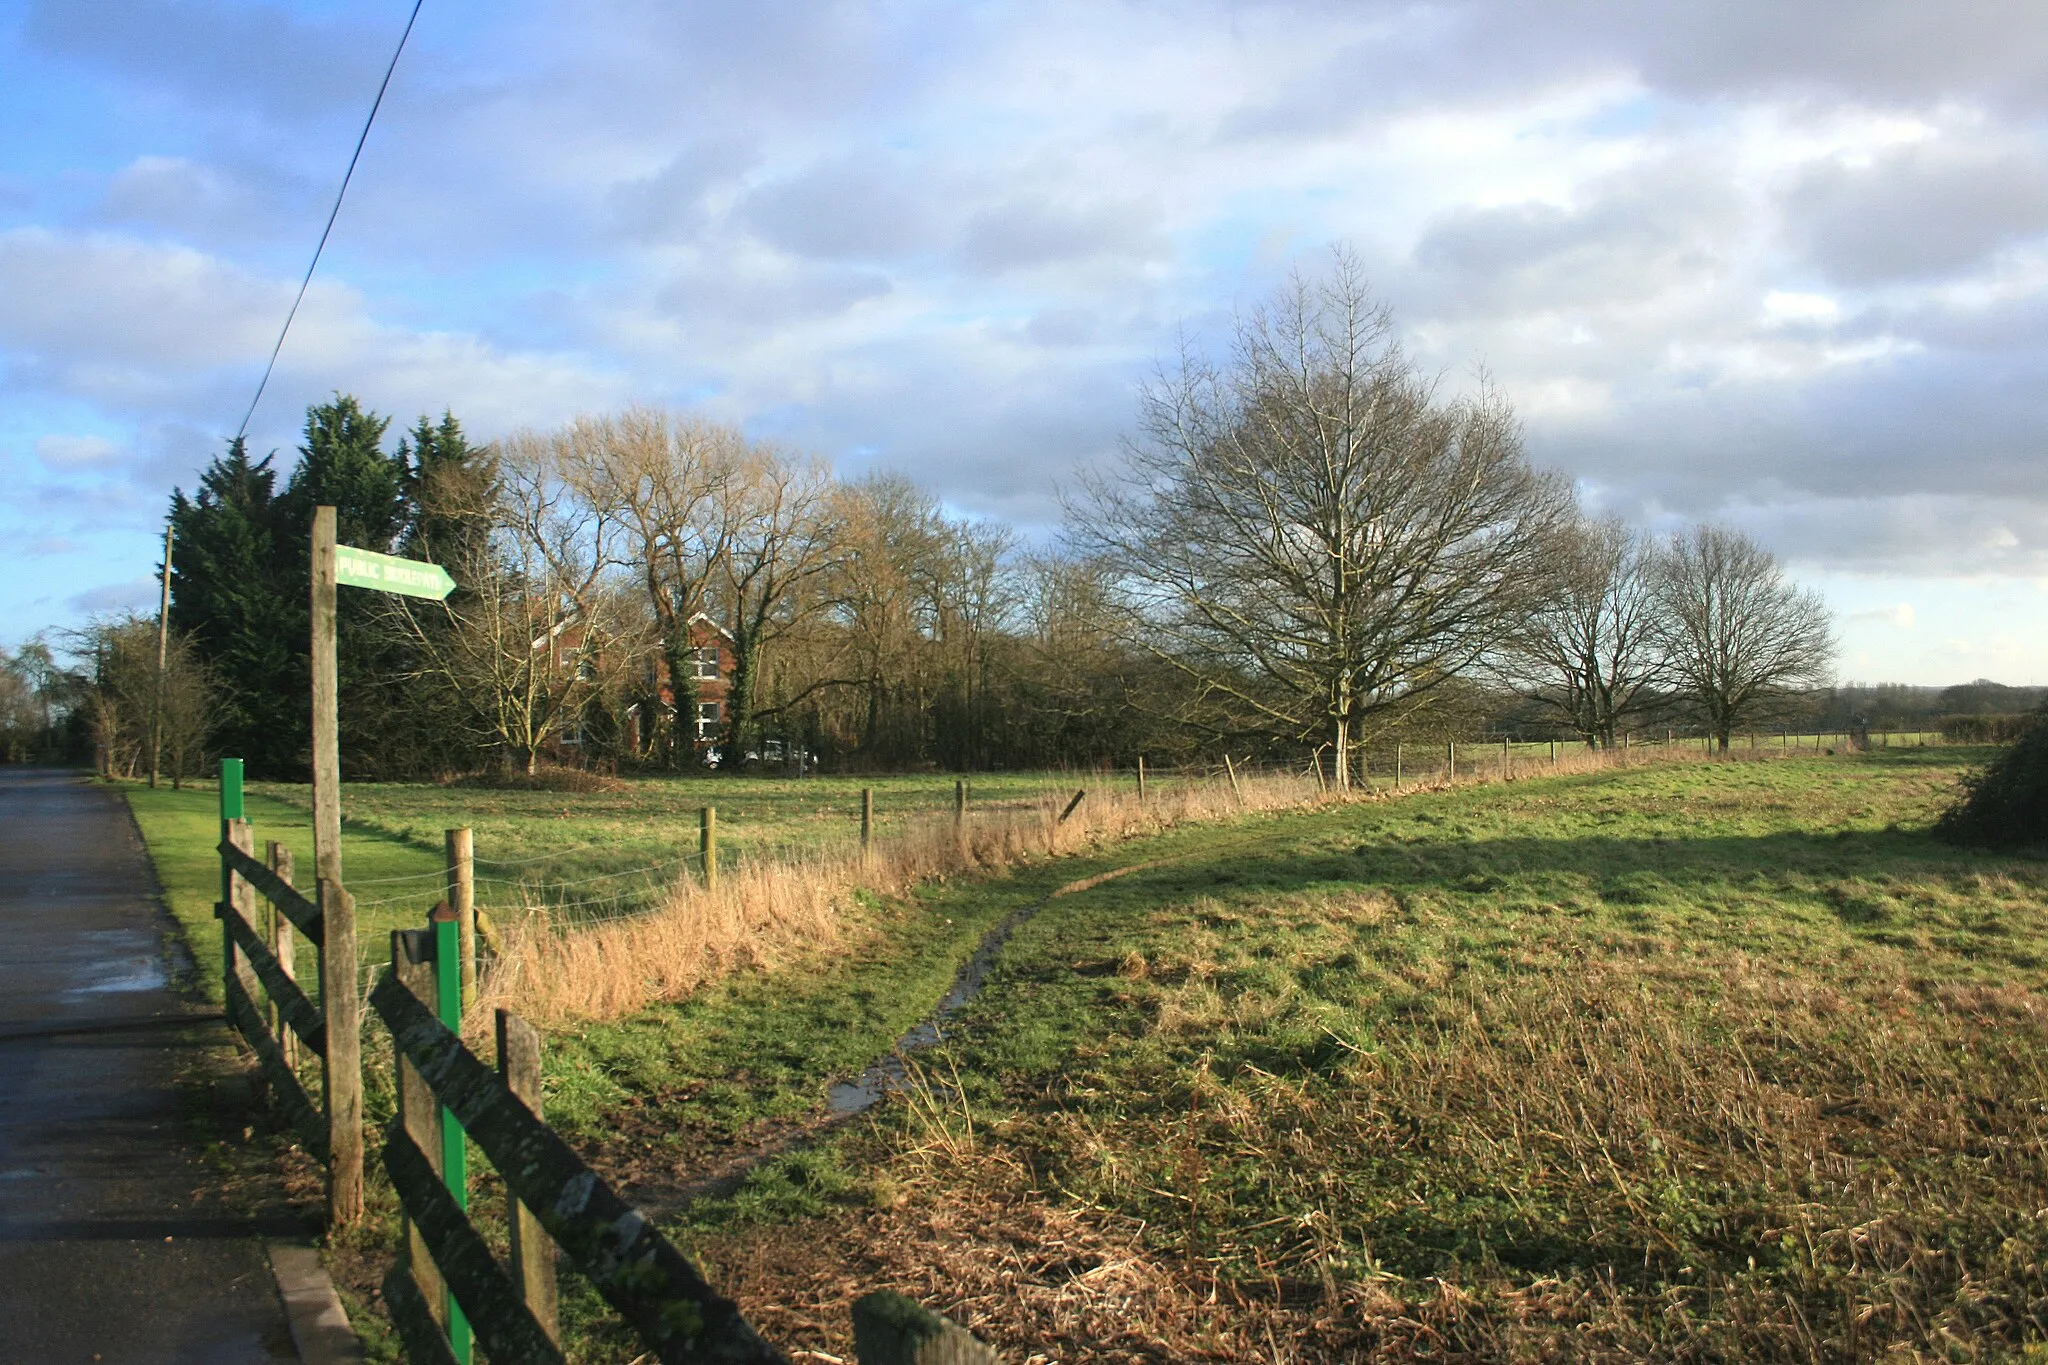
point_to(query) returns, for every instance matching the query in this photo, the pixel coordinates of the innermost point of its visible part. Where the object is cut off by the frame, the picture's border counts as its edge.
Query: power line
(332, 214)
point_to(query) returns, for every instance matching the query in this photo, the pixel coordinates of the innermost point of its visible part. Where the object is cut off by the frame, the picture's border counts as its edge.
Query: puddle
(126, 975)
(888, 1072)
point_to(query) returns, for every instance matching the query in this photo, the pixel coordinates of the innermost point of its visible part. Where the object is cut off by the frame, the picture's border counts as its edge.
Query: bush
(547, 779)
(2005, 803)
(2001, 728)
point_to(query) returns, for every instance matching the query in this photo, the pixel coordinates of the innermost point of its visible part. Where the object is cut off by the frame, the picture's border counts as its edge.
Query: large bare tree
(1594, 648)
(1310, 529)
(666, 480)
(1740, 637)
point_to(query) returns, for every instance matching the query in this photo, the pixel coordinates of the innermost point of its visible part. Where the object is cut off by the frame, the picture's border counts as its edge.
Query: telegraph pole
(163, 642)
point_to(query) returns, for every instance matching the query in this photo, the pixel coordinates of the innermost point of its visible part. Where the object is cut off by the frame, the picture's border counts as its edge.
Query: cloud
(63, 453)
(134, 595)
(215, 52)
(44, 546)
(1901, 615)
(1930, 209)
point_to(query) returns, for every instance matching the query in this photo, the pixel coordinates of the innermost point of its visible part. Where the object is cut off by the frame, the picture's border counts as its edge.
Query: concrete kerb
(320, 1325)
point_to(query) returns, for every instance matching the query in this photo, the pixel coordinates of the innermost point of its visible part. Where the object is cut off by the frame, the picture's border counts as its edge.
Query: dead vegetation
(767, 909)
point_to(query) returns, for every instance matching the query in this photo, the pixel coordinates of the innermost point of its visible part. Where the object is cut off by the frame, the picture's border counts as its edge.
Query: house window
(707, 720)
(705, 663)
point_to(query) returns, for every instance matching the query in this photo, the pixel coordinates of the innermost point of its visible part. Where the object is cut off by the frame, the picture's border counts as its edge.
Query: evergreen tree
(231, 597)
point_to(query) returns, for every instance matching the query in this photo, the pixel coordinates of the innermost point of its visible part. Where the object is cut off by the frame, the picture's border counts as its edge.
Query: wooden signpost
(335, 564)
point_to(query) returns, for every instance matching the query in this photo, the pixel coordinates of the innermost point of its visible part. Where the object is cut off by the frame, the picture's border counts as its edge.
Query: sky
(1781, 265)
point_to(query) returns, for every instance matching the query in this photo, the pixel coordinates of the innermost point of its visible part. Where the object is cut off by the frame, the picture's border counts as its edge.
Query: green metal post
(454, 1147)
(230, 809)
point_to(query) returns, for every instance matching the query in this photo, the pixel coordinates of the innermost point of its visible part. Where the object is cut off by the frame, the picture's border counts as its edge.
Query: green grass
(1731, 1059)
(1727, 1058)
(182, 830)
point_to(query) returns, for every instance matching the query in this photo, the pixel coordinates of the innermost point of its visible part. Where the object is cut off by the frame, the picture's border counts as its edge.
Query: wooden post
(163, 658)
(1450, 761)
(1507, 762)
(1231, 768)
(338, 998)
(1553, 753)
(1072, 805)
(241, 903)
(1316, 767)
(283, 940)
(1141, 779)
(707, 845)
(959, 800)
(867, 821)
(1397, 765)
(533, 1251)
(412, 963)
(460, 848)
(342, 1076)
(889, 1329)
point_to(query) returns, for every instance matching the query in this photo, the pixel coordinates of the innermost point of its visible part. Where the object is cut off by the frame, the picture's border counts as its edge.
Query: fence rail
(263, 999)
(449, 1283)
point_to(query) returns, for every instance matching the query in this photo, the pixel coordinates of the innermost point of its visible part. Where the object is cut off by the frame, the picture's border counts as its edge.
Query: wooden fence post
(1072, 805)
(889, 1329)
(867, 822)
(342, 1076)
(240, 902)
(1507, 762)
(1141, 779)
(1236, 790)
(283, 940)
(1450, 761)
(459, 849)
(533, 1251)
(707, 845)
(1397, 765)
(412, 963)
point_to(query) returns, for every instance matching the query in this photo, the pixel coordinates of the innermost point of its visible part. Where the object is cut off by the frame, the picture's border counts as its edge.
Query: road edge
(320, 1327)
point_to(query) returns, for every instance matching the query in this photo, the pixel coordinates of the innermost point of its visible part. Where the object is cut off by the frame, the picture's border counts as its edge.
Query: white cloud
(75, 452)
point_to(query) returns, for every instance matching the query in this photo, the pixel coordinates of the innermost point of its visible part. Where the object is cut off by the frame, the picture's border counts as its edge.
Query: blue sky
(1780, 265)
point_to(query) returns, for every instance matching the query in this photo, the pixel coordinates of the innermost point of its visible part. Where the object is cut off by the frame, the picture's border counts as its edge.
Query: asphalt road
(110, 1247)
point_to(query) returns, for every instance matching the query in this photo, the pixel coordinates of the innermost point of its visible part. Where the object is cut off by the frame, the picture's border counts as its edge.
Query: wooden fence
(266, 1005)
(449, 1291)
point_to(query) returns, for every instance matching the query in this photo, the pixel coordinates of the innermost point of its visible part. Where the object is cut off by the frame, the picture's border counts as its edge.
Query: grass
(1721, 1061)
(182, 830)
(1702, 1061)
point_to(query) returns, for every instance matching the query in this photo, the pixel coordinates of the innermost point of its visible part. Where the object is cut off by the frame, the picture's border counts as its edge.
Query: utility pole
(163, 642)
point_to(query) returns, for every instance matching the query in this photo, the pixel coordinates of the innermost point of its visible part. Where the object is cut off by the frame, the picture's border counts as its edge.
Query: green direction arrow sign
(389, 573)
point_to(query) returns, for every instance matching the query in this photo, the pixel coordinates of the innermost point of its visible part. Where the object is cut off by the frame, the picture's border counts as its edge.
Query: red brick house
(711, 664)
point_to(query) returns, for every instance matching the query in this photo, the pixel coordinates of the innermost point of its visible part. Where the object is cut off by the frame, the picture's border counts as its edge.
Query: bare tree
(531, 606)
(664, 480)
(1594, 649)
(780, 538)
(118, 687)
(1741, 639)
(1310, 530)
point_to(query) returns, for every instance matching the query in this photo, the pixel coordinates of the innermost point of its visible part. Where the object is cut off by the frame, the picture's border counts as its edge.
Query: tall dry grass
(767, 911)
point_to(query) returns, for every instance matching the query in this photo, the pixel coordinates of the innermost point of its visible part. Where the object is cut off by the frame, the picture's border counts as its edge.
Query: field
(1690, 1061)
(581, 855)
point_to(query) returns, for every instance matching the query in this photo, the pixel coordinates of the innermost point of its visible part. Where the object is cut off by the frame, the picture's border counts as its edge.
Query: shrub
(2005, 803)
(2002, 728)
(547, 779)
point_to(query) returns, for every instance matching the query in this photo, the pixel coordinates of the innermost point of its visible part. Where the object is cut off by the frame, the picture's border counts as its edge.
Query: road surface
(110, 1248)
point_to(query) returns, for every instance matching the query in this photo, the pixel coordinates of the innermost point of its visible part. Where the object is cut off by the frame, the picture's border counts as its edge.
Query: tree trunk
(1342, 744)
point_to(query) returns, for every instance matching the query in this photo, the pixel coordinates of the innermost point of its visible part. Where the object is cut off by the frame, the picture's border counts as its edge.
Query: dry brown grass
(765, 911)
(1768, 1169)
